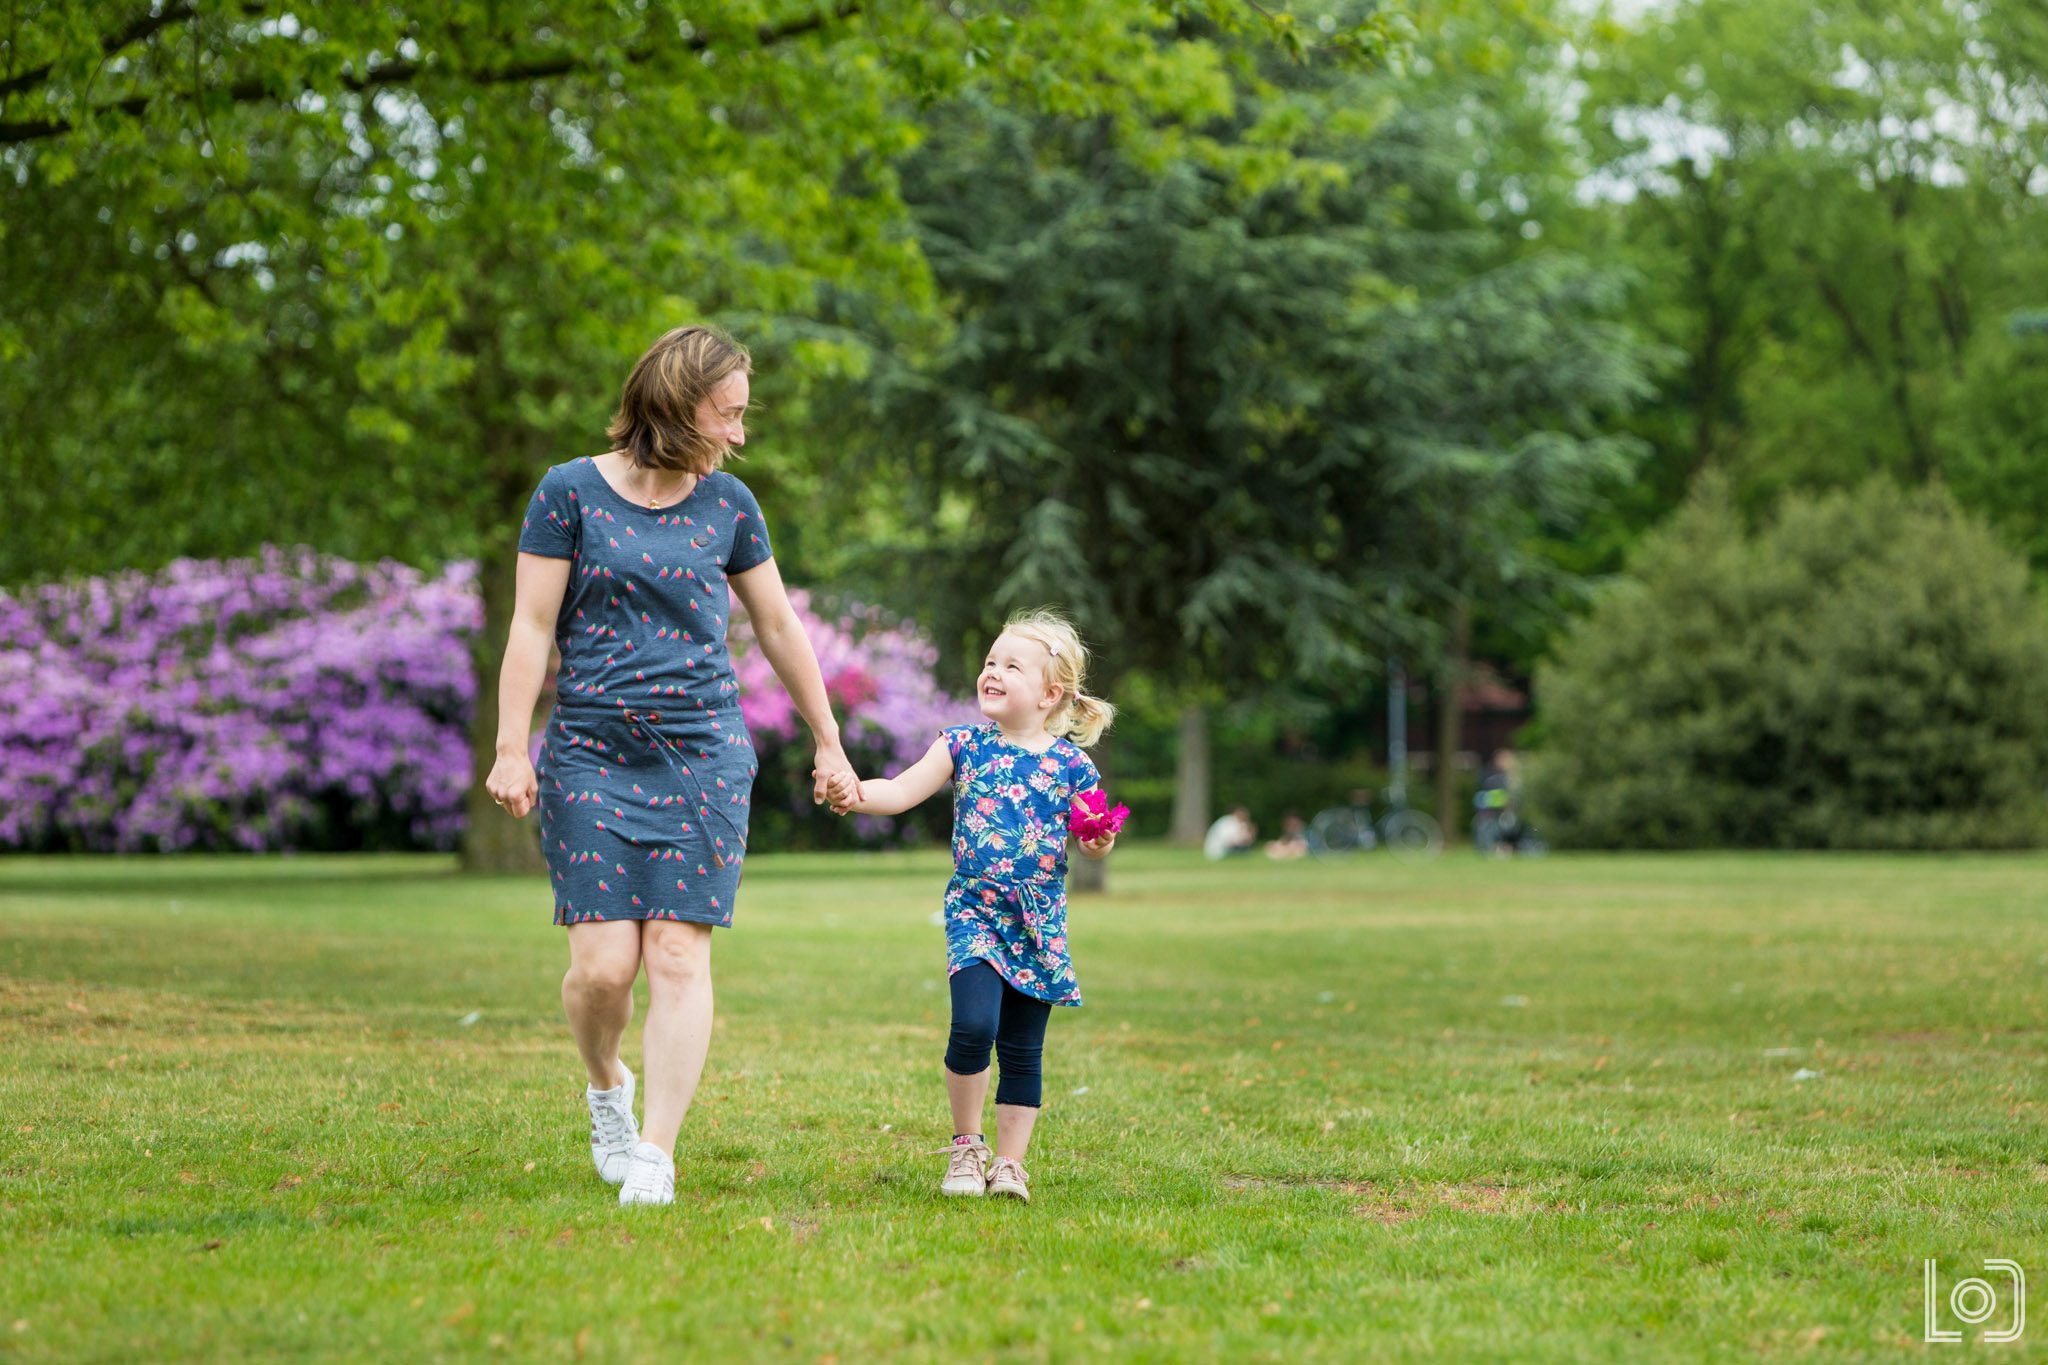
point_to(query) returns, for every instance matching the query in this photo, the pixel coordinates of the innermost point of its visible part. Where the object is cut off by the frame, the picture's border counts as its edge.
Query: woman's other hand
(513, 784)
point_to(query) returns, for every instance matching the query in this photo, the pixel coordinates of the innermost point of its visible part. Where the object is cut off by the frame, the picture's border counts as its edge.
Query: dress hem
(666, 916)
(953, 967)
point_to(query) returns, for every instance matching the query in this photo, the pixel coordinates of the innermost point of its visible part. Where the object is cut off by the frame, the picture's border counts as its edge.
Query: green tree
(1835, 208)
(1226, 406)
(1867, 670)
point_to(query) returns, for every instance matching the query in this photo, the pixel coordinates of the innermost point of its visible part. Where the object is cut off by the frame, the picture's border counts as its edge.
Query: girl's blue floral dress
(1007, 902)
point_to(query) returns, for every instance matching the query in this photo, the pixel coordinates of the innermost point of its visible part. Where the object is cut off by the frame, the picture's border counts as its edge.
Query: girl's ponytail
(1083, 719)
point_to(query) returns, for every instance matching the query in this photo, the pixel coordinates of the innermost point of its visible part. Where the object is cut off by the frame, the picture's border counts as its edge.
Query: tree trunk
(1086, 875)
(1449, 715)
(492, 840)
(1191, 778)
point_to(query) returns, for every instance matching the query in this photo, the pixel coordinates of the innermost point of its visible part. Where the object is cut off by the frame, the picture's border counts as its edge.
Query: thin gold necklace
(654, 503)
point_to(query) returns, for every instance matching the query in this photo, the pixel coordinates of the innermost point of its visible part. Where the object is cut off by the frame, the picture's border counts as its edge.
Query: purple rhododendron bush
(291, 700)
(295, 700)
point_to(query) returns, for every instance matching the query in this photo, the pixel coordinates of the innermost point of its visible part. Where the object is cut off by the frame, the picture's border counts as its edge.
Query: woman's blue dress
(646, 767)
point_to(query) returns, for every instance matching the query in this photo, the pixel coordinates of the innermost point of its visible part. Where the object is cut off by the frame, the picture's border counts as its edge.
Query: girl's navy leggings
(989, 1010)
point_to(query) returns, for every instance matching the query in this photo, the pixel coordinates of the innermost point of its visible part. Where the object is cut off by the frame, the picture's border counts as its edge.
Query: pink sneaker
(966, 1169)
(1006, 1177)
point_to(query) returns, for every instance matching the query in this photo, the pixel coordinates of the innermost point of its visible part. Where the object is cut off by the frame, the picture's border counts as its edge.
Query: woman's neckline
(665, 509)
(1015, 745)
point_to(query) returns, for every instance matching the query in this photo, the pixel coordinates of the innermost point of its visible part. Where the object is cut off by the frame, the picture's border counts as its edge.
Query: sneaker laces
(1011, 1162)
(959, 1152)
(611, 1122)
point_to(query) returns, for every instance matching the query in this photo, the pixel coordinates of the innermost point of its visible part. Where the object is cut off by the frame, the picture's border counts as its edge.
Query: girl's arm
(894, 795)
(790, 654)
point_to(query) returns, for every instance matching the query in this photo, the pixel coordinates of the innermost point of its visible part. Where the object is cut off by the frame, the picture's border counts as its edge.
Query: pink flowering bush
(290, 700)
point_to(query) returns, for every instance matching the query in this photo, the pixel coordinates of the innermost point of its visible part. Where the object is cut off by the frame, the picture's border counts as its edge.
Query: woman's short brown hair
(656, 423)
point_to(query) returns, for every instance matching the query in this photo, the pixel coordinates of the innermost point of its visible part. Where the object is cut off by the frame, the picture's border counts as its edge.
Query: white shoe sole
(963, 1191)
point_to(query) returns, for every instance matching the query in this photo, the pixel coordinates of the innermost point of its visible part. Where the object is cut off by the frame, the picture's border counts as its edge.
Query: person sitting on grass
(1232, 834)
(1013, 779)
(1293, 840)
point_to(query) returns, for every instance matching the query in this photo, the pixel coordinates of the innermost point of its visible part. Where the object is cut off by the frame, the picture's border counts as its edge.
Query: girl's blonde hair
(1078, 717)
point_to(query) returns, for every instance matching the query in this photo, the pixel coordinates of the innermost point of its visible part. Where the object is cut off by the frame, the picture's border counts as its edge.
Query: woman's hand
(832, 763)
(513, 784)
(1098, 848)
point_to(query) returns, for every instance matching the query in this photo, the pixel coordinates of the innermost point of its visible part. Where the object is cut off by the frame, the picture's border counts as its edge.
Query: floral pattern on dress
(1007, 902)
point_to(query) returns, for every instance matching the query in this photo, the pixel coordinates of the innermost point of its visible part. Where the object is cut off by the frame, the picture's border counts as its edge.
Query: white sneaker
(613, 1133)
(651, 1179)
(966, 1169)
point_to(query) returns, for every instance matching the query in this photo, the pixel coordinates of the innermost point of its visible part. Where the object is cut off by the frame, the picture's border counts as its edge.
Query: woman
(646, 768)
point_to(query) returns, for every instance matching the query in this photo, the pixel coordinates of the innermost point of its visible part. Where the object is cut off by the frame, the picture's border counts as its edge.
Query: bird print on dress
(647, 762)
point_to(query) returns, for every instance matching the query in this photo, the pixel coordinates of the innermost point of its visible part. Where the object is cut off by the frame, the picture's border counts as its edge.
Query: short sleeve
(956, 739)
(750, 547)
(552, 524)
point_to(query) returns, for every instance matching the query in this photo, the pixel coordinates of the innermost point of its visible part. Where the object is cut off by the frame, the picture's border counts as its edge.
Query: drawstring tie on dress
(677, 760)
(1033, 899)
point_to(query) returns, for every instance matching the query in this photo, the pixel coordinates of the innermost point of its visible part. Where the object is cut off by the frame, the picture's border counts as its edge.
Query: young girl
(1006, 907)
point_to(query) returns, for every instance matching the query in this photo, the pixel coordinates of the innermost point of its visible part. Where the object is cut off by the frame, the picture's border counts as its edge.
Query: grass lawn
(327, 1108)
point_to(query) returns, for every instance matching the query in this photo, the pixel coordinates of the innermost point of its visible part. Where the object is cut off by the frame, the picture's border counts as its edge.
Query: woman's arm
(915, 784)
(789, 652)
(537, 601)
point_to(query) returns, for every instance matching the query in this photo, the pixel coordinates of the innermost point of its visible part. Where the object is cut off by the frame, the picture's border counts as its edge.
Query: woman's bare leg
(597, 994)
(678, 1030)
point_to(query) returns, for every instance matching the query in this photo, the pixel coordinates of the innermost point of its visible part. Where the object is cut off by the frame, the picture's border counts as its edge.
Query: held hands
(843, 791)
(833, 781)
(513, 784)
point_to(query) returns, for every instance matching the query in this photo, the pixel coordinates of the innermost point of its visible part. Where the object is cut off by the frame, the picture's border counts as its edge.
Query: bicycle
(1407, 834)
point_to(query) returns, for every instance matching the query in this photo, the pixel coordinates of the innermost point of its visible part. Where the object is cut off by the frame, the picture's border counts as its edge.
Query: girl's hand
(1098, 848)
(843, 791)
(513, 784)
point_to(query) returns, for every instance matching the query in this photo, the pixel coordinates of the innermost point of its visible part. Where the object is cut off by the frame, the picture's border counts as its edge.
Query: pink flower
(1091, 816)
